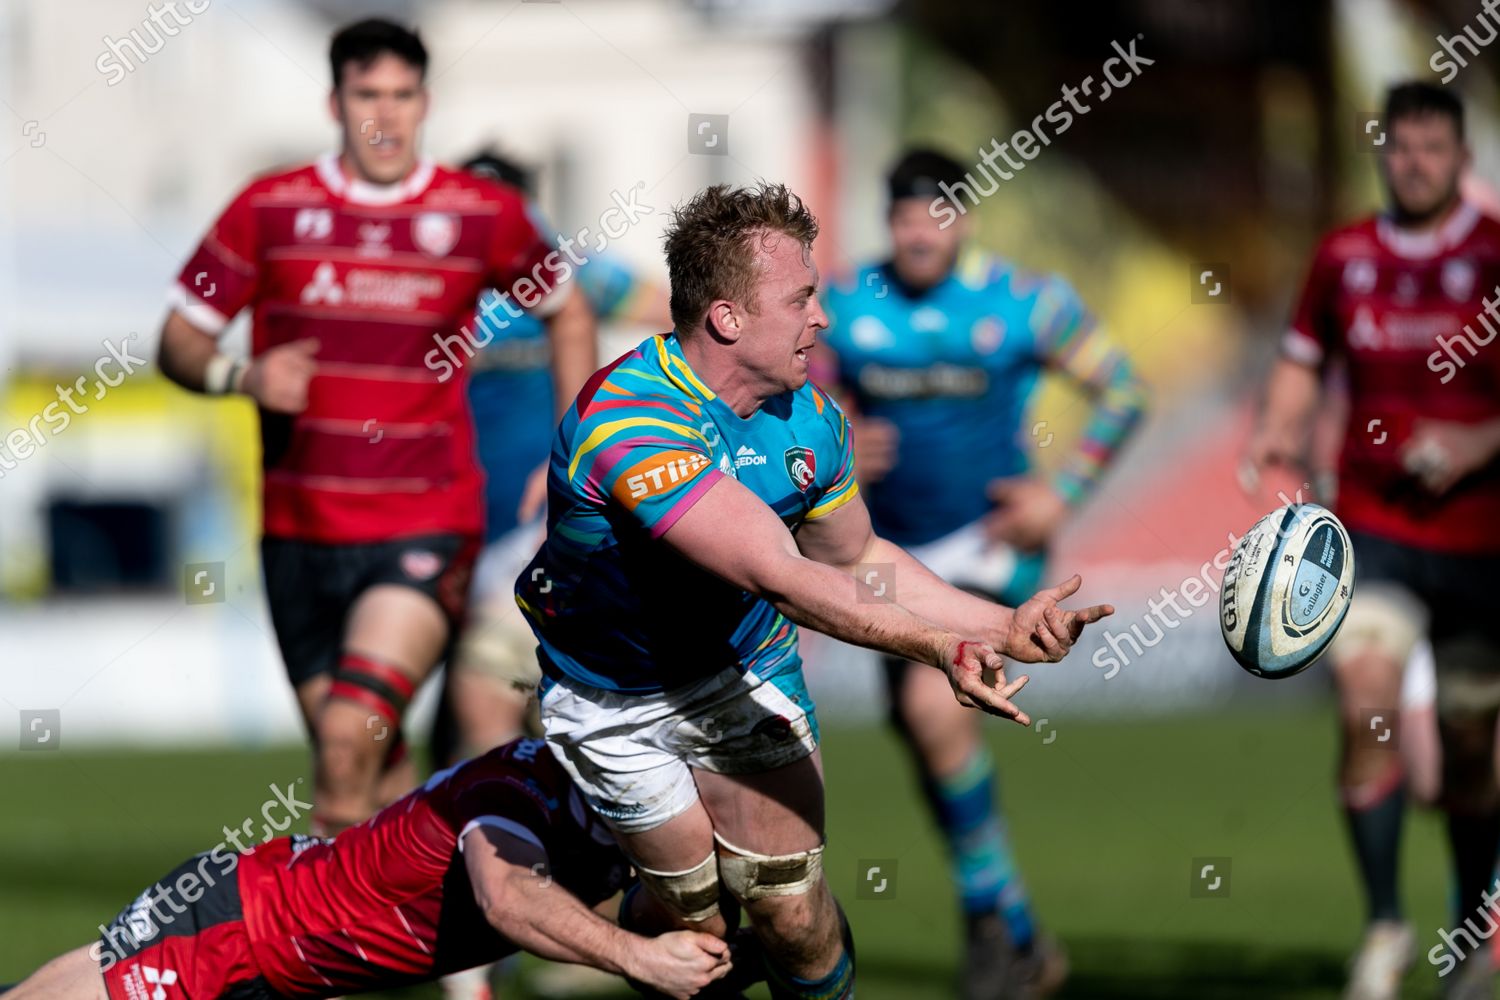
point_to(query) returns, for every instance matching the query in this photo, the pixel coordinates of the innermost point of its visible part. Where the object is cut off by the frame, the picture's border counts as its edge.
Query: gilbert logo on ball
(1286, 590)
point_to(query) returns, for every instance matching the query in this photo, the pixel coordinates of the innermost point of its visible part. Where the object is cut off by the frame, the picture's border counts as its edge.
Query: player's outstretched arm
(531, 910)
(732, 533)
(1037, 631)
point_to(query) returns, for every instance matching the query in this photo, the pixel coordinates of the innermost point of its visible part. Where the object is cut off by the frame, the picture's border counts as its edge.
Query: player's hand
(278, 378)
(875, 442)
(1267, 449)
(680, 963)
(977, 674)
(1440, 452)
(534, 495)
(1040, 631)
(1028, 512)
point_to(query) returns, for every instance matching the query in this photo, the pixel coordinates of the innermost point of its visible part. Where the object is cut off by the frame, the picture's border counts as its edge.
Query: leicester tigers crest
(801, 466)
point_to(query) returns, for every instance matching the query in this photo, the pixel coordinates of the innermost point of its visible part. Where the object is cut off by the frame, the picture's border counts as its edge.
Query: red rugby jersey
(389, 901)
(1394, 305)
(375, 273)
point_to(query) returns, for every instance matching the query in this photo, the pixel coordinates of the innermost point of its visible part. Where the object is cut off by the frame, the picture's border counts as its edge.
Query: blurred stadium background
(1231, 152)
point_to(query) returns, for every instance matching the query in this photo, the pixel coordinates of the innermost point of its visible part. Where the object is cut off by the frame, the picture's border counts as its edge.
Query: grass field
(1108, 819)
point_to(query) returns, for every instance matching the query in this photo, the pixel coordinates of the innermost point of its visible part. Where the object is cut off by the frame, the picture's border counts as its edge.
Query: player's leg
(1466, 651)
(394, 636)
(73, 975)
(960, 786)
(1384, 622)
(769, 828)
(611, 745)
(494, 674)
(1421, 752)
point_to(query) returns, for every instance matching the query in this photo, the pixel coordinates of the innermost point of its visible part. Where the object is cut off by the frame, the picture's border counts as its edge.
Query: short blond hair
(712, 239)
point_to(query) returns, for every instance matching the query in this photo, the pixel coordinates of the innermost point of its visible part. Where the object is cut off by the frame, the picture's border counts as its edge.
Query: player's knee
(1468, 773)
(366, 702)
(782, 892)
(691, 896)
(1384, 622)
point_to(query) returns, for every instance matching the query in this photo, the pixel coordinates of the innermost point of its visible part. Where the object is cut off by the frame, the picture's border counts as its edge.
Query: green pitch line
(1107, 819)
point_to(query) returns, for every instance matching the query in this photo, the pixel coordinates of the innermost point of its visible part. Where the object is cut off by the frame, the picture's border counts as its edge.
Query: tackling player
(498, 854)
(354, 266)
(519, 387)
(939, 351)
(1407, 299)
(702, 505)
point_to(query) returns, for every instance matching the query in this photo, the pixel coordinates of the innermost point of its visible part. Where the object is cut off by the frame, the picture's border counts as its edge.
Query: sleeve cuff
(1299, 347)
(197, 312)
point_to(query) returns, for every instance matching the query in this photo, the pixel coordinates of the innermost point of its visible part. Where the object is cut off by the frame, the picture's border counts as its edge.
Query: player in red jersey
(1407, 302)
(355, 266)
(497, 854)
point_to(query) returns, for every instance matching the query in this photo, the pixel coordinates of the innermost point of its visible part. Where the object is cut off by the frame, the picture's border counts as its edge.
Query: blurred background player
(1407, 299)
(938, 351)
(520, 384)
(355, 265)
(498, 854)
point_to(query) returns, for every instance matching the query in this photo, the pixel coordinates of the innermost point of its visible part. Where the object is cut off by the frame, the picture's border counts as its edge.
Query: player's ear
(724, 320)
(423, 103)
(335, 110)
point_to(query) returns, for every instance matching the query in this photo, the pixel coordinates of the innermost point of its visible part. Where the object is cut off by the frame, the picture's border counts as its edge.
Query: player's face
(1422, 163)
(922, 251)
(777, 338)
(380, 107)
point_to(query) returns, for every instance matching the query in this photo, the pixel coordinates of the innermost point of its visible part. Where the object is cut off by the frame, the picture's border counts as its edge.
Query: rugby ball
(1286, 590)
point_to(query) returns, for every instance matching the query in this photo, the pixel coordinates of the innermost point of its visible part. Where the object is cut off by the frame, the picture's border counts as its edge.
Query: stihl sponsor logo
(661, 472)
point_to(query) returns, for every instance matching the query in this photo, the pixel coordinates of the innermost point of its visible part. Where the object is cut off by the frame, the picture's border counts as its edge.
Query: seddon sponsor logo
(748, 456)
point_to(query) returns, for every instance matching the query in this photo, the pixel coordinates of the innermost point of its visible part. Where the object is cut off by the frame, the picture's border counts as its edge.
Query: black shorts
(311, 588)
(1454, 587)
(1463, 624)
(186, 934)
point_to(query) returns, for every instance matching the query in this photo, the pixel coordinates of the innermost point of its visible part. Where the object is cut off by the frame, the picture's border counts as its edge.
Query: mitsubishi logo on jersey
(324, 287)
(160, 978)
(748, 456)
(371, 287)
(1365, 332)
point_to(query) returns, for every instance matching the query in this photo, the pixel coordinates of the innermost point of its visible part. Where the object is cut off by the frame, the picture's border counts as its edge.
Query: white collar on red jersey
(331, 173)
(1420, 246)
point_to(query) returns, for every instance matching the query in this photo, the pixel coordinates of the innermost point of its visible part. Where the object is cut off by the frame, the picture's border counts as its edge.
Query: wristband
(222, 375)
